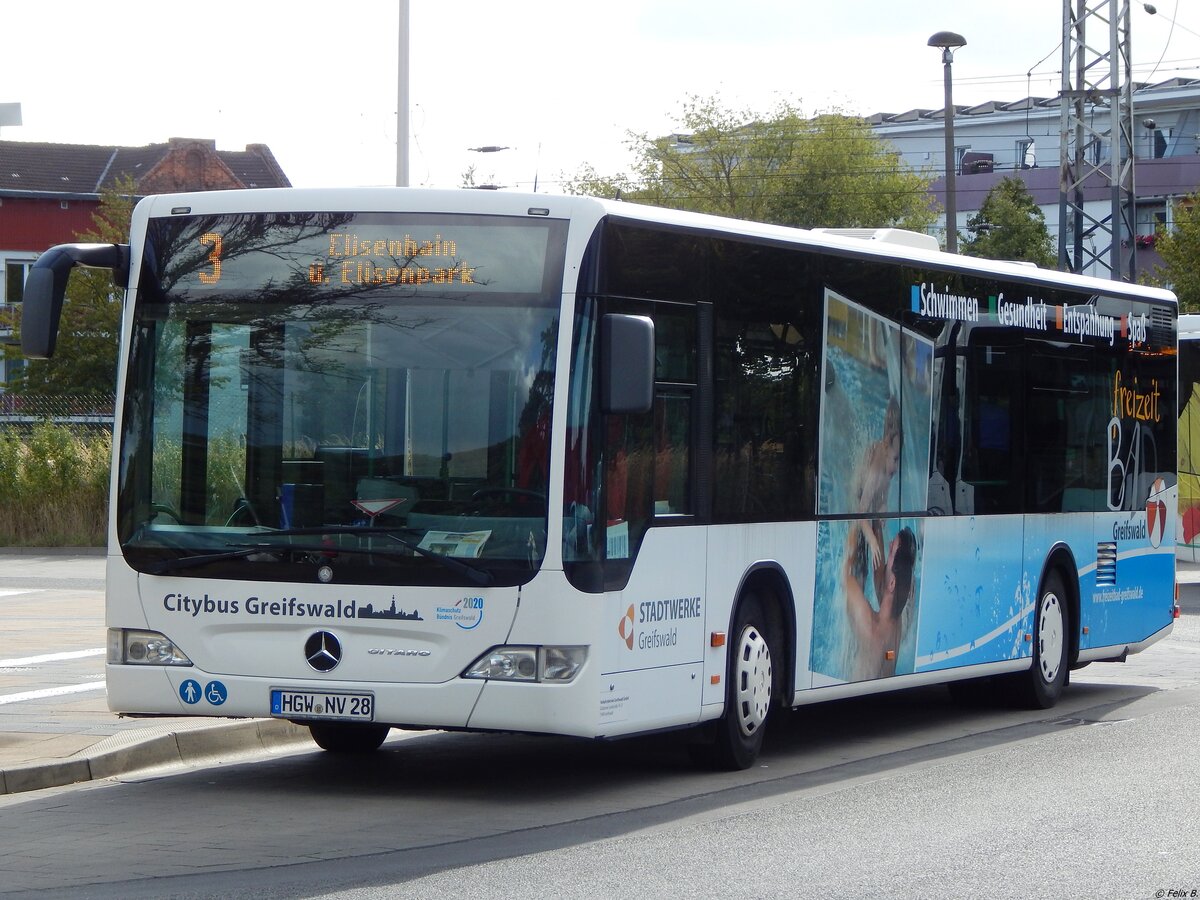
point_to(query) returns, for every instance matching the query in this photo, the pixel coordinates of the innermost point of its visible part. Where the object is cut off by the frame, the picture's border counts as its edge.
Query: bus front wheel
(342, 738)
(1043, 683)
(737, 737)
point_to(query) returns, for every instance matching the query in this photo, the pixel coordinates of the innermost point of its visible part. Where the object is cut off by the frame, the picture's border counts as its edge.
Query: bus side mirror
(46, 285)
(626, 364)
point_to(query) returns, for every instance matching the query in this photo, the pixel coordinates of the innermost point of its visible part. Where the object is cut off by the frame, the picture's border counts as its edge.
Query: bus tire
(348, 738)
(1042, 684)
(737, 737)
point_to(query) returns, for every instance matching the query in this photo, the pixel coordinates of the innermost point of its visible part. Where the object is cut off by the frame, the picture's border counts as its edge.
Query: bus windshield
(367, 395)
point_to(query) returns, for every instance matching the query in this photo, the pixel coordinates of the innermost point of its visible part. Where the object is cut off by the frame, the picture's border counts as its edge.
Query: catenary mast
(1096, 151)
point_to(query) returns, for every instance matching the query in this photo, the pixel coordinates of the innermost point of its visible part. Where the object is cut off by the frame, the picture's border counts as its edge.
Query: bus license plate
(323, 705)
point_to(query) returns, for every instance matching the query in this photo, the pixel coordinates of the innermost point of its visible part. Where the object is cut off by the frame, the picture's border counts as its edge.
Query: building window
(9, 369)
(1150, 218)
(15, 273)
(1026, 157)
(1159, 138)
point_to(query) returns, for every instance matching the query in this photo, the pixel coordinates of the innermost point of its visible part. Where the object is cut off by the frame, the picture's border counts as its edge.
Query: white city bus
(1187, 533)
(489, 461)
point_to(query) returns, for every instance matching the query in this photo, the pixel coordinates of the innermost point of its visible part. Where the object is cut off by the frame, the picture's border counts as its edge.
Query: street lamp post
(948, 41)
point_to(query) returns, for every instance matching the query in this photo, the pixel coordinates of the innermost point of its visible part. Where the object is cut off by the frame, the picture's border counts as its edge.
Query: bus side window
(672, 457)
(676, 336)
(649, 457)
(629, 467)
(1061, 475)
(647, 470)
(992, 416)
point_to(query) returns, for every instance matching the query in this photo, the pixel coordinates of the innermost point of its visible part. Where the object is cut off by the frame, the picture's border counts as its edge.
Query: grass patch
(54, 487)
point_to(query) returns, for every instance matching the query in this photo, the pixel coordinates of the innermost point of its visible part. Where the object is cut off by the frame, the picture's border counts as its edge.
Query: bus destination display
(358, 259)
(248, 252)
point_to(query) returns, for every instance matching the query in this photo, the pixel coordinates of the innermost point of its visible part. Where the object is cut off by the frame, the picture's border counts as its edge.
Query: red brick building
(48, 192)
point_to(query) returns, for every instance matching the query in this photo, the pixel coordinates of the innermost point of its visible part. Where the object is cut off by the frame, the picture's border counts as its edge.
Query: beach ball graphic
(1156, 513)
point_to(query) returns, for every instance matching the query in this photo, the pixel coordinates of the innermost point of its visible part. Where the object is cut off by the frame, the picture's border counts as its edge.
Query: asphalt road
(906, 795)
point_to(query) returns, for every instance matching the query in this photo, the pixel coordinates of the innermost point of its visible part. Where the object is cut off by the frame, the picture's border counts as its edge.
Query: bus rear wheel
(737, 737)
(343, 738)
(1043, 683)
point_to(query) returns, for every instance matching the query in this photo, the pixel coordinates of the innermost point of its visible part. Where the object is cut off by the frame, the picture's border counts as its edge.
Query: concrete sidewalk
(55, 727)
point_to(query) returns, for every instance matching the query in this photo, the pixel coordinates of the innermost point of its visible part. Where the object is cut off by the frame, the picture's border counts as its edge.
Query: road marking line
(49, 657)
(52, 692)
(8, 592)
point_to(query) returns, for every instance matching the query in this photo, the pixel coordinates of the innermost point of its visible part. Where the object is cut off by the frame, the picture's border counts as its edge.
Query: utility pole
(402, 70)
(1096, 151)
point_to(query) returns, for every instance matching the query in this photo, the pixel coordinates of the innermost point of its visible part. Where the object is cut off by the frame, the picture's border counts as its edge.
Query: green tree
(85, 358)
(780, 167)
(1180, 250)
(1009, 225)
(588, 182)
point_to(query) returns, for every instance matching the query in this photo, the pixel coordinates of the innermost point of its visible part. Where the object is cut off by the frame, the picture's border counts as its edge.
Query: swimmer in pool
(873, 479)
(879, 631)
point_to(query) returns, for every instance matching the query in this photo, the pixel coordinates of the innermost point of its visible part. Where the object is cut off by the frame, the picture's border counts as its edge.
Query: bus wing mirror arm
(627, 364)
(46, 285)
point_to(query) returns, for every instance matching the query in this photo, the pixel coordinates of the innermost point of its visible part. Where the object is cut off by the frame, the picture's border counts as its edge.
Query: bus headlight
(562, 664)
(558, 665)
(132, 647)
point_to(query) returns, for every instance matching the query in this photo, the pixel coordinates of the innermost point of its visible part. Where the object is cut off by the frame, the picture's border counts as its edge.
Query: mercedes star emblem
(323, 651)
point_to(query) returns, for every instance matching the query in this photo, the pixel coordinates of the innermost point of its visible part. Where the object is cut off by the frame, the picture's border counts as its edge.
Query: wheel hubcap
(752, 674)
(1050, 637)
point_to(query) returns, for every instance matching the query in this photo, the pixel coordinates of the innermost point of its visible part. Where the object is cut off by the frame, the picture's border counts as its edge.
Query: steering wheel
(165, 509)
(241, 510)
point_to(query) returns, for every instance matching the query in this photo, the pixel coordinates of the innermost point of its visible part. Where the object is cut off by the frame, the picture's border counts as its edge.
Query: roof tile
(86, 168)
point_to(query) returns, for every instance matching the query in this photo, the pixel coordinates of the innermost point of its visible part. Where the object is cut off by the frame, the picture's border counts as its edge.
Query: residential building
(48, 192)
(997, 139)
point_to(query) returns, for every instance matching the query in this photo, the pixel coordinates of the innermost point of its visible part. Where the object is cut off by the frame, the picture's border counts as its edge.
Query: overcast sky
(559, 81)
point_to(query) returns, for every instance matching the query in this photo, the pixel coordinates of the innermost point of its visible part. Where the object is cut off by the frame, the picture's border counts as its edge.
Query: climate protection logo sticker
(466, 613)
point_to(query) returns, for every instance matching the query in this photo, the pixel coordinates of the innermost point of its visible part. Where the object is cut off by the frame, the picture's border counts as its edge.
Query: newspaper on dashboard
(467, 544)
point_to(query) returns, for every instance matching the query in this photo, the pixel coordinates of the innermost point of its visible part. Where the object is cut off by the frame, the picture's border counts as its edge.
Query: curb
(124, 754)
(53, 551)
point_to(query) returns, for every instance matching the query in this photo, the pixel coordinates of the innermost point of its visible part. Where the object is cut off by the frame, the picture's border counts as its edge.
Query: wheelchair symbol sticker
(215, 693)
(189, 691)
